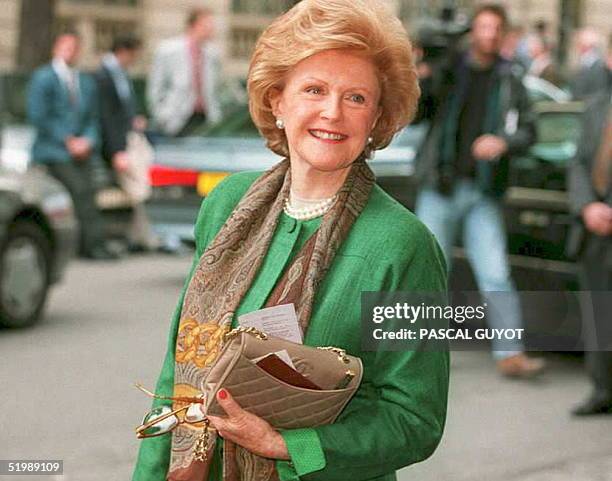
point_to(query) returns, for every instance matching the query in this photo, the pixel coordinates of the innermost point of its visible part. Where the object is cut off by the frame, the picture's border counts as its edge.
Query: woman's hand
(248, 430)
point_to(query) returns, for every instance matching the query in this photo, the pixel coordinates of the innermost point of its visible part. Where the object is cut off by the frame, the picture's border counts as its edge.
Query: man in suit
(118, 117)
(590, 194)
(183, 85)
(542, 62)
(592, 76)
(62, 106)
(116, 100)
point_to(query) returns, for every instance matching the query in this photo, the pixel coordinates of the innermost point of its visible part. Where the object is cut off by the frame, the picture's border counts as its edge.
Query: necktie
(71, 84)
(602, 169)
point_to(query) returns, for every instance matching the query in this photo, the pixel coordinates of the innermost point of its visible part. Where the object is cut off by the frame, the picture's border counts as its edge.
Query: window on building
(107, 30)
(106, 2)
(412, 11)
(99, 22)
(262, 7)
(248, 19)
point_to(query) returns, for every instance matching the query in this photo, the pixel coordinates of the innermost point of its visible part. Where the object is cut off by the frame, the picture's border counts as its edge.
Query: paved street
(67, 390)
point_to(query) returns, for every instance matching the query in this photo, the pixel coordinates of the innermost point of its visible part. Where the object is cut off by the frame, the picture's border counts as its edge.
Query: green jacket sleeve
(398, 418)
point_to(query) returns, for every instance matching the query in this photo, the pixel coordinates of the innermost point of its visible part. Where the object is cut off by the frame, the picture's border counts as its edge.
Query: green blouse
(397, 416)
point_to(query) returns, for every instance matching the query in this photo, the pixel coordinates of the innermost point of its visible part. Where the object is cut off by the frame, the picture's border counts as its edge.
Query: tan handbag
(283, 405)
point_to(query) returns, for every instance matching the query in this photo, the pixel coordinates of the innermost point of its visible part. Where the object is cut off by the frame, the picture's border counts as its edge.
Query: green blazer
(51, 113)
(397, 416)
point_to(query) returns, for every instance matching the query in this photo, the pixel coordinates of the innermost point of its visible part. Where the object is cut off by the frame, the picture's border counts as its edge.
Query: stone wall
(9, 22)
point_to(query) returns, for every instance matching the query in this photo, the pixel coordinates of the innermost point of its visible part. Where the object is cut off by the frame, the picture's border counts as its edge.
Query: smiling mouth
(323, 135)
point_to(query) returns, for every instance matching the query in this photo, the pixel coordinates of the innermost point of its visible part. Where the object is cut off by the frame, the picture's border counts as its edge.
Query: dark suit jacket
(54, 117)
(115, 115)
(580, 185)
(591, 81)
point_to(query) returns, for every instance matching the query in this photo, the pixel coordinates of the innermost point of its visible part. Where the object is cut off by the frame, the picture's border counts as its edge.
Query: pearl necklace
(311, 212)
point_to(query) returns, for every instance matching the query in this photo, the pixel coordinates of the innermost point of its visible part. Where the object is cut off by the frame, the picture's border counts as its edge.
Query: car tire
(25, 265)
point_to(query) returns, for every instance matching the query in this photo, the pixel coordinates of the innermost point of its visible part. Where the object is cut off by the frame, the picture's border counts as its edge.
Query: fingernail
(222, 394)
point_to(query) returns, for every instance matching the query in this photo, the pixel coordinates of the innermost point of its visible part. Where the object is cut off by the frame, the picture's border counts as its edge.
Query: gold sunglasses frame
(190, 400)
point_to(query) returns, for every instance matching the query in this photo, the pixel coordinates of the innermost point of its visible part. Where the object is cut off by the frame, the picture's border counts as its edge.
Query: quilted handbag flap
(325, 368)
(282, 405)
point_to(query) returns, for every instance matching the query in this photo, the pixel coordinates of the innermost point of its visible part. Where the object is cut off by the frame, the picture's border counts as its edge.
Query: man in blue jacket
(62, 105)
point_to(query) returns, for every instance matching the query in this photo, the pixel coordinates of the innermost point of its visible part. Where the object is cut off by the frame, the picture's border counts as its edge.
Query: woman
(330, 82)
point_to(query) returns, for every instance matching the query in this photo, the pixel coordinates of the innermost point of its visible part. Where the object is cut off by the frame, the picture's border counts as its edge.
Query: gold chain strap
(248, 330)
(341, 353)
(200, 450)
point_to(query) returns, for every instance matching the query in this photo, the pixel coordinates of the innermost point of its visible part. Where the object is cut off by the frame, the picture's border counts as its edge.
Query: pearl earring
(280, 124)
(369, 150)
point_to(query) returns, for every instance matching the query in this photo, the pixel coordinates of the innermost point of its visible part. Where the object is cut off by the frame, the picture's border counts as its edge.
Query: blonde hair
(313, 26)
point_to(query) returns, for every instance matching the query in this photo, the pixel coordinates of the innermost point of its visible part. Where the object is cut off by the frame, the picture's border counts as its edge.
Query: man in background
(184, 80)
(542, 63)
(116, 100)
(479, 116)
(118, 117)
(62, 106)
(512, 49)
(590, 196)
(592, 76)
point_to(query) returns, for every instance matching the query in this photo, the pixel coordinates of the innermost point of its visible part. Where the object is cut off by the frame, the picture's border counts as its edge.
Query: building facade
(239, 22)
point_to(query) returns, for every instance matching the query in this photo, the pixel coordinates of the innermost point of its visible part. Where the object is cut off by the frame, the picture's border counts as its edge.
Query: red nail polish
(222, 394)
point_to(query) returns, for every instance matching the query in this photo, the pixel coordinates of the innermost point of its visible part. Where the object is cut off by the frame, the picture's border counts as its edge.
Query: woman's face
(329, 104)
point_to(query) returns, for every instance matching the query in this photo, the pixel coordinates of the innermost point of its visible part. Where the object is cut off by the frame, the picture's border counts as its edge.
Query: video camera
(439, 36)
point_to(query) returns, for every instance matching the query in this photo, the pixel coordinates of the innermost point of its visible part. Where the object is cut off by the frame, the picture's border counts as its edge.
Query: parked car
(38, 233)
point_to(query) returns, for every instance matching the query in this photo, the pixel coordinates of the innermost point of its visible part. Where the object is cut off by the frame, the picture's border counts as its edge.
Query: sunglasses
(163, 419)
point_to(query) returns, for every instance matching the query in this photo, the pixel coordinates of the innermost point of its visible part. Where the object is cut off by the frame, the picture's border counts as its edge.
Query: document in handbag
(278, 321)
(278, 368)
(283, 355)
